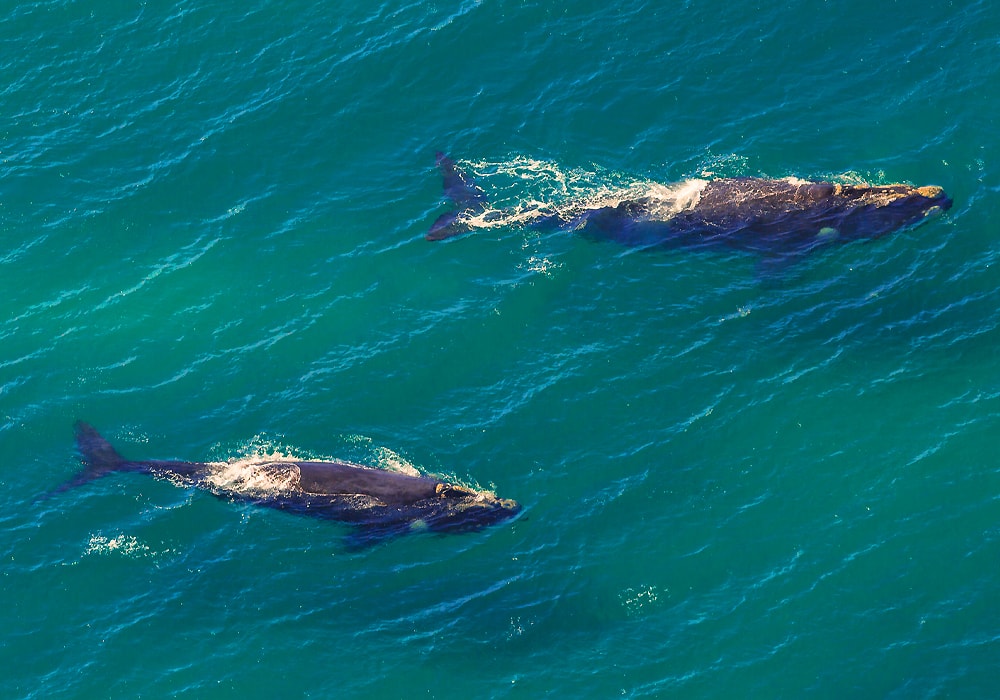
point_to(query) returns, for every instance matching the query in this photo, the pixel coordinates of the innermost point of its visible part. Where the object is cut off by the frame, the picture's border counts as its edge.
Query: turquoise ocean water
(212, 219)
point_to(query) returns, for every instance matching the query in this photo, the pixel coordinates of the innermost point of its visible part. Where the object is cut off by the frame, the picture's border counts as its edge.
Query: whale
(784, 218)
(378, 504)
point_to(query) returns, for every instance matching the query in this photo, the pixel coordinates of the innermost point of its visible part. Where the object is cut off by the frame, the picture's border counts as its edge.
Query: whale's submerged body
(380, 504)
(787, 217)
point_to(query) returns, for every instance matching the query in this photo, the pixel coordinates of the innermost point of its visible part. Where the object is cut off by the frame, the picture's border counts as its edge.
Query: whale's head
(873, 211)
(460, 509)
(451, 509)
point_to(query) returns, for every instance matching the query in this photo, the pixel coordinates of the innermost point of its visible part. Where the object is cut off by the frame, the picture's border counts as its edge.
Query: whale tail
(96, 453)
(466, 197)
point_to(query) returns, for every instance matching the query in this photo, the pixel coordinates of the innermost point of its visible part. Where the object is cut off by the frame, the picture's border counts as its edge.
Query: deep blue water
(213, 220)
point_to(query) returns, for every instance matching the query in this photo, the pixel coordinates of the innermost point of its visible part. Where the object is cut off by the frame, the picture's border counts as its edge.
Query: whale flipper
(467, 198)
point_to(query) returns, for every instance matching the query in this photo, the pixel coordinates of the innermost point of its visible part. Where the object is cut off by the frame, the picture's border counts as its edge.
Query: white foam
(669, 200)
(126, 545)
(251, 477)
(525, 191)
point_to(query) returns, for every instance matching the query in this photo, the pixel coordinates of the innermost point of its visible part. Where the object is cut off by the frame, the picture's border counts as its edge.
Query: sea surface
(735, 484)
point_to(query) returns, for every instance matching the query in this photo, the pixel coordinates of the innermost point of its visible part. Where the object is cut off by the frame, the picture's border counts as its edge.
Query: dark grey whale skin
(380, 504)
(769, 217)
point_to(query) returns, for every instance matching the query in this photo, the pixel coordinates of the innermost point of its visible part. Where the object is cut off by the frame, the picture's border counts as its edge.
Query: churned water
(213, 220)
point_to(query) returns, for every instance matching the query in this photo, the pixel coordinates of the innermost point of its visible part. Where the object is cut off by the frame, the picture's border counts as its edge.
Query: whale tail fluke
(97, 455)
(467, 199)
